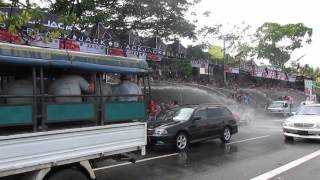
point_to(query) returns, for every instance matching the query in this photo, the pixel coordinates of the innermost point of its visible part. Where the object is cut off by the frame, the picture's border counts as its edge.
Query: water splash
(185, 94)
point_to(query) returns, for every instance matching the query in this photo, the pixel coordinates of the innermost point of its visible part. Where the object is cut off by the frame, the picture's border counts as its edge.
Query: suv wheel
(182, 141)
(226, 135)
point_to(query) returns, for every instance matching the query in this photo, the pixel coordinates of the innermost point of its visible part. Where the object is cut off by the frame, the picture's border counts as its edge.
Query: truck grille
(303, 125)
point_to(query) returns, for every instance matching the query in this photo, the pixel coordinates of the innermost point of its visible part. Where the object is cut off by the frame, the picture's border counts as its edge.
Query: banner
(308, 87)
(270, 73)
(231, 70)
(199, 63)
(203, 71)
(292, 78)
(73, 39)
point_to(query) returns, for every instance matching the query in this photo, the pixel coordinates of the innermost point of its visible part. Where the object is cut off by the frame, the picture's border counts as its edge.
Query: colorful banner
(199, 64)
(275, 74)
(308, 87)
(232, 70)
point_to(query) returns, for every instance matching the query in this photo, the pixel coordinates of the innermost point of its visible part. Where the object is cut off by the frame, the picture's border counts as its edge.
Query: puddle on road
(207, 154)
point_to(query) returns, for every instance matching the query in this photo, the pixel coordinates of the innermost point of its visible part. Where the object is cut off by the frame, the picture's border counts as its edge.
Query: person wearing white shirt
(127, 87)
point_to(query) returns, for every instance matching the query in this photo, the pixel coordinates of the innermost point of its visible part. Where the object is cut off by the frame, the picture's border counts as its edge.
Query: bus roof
(36, 56)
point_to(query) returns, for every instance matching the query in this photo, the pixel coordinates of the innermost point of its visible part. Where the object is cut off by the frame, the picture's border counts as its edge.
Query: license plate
(303, 132)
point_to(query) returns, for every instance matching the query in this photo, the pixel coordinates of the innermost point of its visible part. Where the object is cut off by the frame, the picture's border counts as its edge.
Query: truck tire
(68, 174)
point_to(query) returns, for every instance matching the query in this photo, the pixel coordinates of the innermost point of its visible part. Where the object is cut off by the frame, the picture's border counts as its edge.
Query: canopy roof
(36, 56)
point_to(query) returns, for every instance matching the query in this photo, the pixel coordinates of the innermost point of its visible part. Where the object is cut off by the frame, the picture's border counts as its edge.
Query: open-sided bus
(42, 134)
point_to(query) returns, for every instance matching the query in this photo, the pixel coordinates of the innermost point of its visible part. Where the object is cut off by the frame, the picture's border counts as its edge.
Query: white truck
(43, 139)
(70, 152)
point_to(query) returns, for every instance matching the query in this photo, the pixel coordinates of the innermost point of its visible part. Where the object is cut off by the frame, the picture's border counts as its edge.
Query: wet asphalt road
(258, 148)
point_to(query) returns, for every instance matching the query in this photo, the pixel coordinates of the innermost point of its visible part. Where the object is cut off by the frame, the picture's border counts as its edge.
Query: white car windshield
(309, 110)
(276, 104)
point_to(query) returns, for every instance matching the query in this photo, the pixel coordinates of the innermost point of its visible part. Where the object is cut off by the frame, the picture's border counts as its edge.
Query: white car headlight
(160, 132)
(318, 125)
(288, 123)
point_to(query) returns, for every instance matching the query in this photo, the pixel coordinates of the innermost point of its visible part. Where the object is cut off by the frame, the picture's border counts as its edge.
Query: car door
(198, 128)
(216, 120)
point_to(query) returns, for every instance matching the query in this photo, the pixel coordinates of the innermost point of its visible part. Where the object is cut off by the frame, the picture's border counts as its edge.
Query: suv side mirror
(196, 118)
(285, 105)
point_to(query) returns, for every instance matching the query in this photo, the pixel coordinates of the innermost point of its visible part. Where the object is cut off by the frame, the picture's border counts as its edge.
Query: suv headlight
(288, 123)
(160, 132)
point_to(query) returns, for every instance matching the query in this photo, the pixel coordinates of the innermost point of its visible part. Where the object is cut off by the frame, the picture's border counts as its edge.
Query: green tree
(17, 22)
(196, 52)
(185, 69)
(216, 52)
(276, 42)
(162, 18)
(3, 4)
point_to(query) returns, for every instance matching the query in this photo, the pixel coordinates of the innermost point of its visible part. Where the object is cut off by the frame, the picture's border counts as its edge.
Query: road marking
(287, 167)
(138, 161)
(250, 139)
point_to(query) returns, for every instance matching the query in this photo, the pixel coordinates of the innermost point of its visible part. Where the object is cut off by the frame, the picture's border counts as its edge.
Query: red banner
(116, 52)
(69, 44)
(8, 37)
(153, 57)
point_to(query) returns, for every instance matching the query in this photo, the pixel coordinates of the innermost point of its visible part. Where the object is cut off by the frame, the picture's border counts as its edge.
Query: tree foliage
(276, 42)
(216, 52)
(162, 18)
(17, 23)
(196, 52)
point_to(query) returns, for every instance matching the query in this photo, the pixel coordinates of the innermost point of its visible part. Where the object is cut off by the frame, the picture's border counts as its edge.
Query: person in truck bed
(70, 84)
(127, 87)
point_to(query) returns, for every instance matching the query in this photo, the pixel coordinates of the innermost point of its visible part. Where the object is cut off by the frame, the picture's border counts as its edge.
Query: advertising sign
(232, 70)
(308, 87)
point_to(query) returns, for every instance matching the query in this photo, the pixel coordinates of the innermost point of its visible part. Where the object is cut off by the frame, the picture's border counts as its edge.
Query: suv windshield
(309, 110)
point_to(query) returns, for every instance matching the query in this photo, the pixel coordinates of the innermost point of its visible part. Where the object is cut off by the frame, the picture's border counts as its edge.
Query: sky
(256, 12)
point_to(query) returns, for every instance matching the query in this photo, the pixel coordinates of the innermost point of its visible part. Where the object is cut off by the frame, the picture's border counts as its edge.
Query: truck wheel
(182, 141)
(226, 135)
(68, 174)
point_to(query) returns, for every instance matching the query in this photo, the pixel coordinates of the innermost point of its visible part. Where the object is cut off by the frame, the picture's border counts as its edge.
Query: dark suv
(192, 123)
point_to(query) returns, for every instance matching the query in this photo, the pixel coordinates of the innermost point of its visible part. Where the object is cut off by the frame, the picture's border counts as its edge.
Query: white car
(304, 124)
(306, 102)
(279, 107)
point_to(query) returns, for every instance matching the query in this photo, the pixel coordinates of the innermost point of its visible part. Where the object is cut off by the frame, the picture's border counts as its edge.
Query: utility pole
(224, 62)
